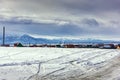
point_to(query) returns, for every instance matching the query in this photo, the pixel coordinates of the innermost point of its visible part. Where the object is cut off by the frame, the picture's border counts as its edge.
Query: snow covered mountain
(26, 39)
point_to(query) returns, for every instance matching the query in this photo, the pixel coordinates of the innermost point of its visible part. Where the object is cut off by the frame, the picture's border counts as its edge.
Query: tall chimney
(3, 36)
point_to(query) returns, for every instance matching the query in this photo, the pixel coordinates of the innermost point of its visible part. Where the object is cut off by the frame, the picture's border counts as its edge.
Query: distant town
(28, 41)
(101, 46)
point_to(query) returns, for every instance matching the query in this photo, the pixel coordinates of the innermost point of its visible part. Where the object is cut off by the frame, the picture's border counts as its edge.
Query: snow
(24, 63)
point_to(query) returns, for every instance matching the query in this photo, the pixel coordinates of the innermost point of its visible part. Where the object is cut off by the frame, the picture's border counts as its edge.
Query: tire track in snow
(64, 68)
(61, 57)
(69, 62)
(88, 60)
(37, 61)
(38, 71)
(105, 52)
(65, 56)
(18, 53)
(12, 54)
(97, 55)
(109, 72)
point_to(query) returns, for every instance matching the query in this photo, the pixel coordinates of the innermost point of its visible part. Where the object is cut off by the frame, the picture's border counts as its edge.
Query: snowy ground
(55, 63)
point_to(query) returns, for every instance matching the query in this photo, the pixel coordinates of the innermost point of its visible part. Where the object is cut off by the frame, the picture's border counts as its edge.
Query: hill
(27, 39)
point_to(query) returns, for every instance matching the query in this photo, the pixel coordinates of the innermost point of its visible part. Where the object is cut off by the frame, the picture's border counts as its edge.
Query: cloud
(92, 5)
(90, 22)
(61, 17)
(86, 27)
(73, 10)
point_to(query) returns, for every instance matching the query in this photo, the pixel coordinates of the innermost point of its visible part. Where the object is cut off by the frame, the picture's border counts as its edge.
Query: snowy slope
(49, 63)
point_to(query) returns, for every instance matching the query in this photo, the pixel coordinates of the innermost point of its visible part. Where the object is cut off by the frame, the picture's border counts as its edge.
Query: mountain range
(27, 39)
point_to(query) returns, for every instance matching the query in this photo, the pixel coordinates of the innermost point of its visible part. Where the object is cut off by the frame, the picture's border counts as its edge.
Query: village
(63, 45)
(82, 45)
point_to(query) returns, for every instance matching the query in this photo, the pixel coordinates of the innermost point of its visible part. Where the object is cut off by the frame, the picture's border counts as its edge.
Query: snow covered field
(52, 63)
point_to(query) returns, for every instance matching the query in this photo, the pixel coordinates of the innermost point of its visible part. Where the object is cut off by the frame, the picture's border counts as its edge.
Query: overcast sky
(74, 18)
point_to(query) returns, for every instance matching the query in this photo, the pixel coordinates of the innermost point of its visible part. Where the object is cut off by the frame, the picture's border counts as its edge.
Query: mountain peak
(25, 35)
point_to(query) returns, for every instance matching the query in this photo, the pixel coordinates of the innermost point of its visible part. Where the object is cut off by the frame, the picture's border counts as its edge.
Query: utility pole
(3, 36)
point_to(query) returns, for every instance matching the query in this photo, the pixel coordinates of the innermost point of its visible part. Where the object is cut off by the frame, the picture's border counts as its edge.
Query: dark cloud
(61, 17)
(55, 30)
(28, 26)
(16, 21)
(92, 5)
(85, 28)
(90, 22)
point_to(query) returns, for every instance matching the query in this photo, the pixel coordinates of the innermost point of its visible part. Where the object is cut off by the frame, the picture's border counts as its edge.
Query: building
(107, 46)
(18, 45)
(69, 46)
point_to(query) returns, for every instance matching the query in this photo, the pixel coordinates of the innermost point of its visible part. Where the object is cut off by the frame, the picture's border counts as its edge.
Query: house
(107, 46)
(118, 46)
(34, 45)
(51, 45)
(18, 45)
(6, 45)
(59, 46)
(69, 46)
(77, 46)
